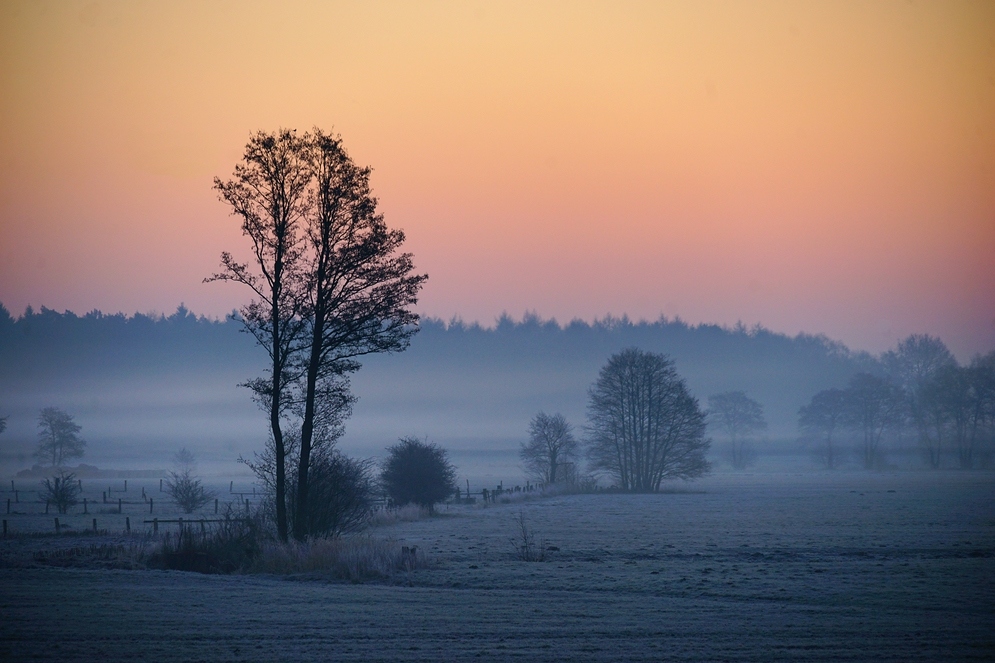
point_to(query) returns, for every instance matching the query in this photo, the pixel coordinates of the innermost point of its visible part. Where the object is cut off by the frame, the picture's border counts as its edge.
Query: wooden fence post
(125, 485)
(46, 507)
(150, 505)
(231, 486)
(58, 530)
(119, 503)
(127, 524)
(160, 485)
(105, 497)
(94, 525)
(84, 505)
(215, 506)
(247, 505)
(155, 525)
(8, 506)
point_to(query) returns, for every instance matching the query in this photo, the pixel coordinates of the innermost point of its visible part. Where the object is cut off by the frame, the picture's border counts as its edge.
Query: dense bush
(340, 495)
(417, 472)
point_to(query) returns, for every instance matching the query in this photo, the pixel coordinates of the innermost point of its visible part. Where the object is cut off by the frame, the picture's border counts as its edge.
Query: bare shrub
(186, 491)
(524, 541)
(62, 491)
(346, 558)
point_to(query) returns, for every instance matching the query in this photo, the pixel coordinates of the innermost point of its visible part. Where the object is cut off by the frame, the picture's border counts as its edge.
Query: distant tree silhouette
(643, 424)
(550, 448)
(417, 472)
(186, 490)
(914, 366)
(741, 418)
(58, 439)
(873, 406)
(821, 419)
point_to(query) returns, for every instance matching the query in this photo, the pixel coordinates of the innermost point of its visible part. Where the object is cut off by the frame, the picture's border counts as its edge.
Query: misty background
(143, 386)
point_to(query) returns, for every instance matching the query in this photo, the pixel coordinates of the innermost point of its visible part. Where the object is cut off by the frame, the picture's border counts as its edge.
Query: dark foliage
(417, 472)
(341, 496)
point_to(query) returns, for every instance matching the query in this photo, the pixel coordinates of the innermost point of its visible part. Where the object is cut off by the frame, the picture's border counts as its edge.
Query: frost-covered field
(747, 567)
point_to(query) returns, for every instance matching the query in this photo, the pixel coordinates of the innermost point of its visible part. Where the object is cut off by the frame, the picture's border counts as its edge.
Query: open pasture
(739, 567)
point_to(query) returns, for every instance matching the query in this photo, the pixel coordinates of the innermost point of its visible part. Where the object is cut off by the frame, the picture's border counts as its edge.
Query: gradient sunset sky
(826, 167)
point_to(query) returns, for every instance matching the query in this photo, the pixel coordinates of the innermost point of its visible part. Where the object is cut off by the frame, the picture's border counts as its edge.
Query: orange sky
(819, 167)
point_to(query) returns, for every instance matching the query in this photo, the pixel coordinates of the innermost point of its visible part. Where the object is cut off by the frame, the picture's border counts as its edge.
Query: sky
(818, 167)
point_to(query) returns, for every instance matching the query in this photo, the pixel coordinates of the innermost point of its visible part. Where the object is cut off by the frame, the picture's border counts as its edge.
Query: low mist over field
(144, 386)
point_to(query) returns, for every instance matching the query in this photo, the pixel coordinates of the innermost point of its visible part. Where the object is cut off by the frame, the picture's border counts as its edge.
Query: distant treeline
(163, 381)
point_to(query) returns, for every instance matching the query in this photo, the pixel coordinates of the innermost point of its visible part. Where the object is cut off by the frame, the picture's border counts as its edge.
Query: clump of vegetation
(340, 496)
(527, 548)
(417, 472)
(354, 559)
(62, 491)
(228, 546)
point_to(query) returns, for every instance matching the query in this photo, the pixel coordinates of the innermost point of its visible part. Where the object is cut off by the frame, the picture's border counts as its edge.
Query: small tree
(58, 439)
(62, 491)
(740, 417)
(187, 491)
(821, 419)
(417, 472)
(551, 448)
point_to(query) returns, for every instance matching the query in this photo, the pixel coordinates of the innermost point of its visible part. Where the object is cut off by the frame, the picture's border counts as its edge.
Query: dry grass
(354, 559)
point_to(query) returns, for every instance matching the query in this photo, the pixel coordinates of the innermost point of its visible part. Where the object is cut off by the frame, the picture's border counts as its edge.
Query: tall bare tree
(551, 445)
(58, 439)
(821, 419)
(269, 194)
(643, 424)
(330, 286)
(740, 417)
(359, 287)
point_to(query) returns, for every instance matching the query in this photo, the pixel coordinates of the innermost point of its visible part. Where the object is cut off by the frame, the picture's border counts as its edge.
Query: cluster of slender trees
(920, 394)
(329, 285)
(644, 427)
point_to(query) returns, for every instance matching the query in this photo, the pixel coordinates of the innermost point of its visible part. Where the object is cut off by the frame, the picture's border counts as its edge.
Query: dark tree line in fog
(918, 394)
